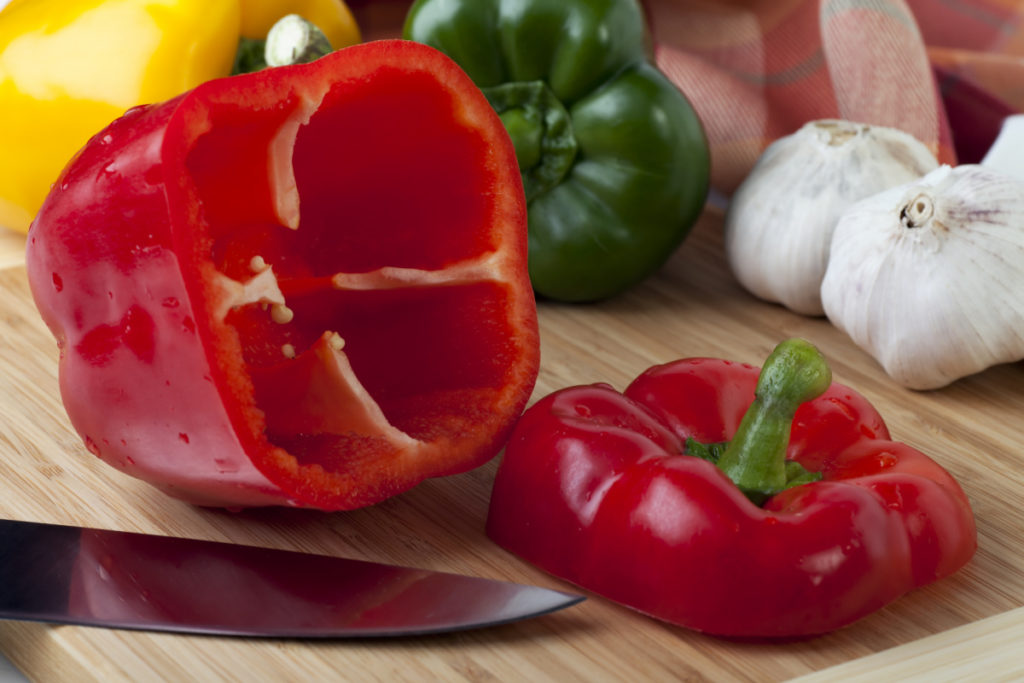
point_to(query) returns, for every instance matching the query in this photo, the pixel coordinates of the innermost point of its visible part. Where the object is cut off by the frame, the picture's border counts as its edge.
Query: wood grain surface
(966, 626)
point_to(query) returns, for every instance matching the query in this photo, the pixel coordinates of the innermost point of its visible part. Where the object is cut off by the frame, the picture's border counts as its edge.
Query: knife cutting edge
(117, 579)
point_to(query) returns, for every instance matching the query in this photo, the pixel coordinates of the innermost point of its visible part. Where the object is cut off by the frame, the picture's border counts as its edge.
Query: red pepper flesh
(304, 286)
(594, 487)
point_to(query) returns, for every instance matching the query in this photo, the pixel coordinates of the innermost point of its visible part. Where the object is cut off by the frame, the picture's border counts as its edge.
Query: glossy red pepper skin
(593, 488)
(381, 162)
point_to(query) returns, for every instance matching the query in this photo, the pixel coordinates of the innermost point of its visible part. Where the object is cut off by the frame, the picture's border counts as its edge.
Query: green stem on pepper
(291, 40)
(294, 40)
(249, 56)
(540, 129)
(755, 458)
(526, 132)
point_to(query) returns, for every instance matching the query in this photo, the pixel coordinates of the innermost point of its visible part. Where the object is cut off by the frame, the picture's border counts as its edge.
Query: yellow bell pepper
(69, 67)
(332, 17)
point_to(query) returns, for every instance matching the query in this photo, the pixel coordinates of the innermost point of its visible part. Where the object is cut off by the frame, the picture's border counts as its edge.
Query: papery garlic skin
(1007, 151)
(779, 223)
(929, 277)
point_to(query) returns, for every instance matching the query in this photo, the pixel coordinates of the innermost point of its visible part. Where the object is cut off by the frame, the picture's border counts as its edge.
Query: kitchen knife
(93, 577)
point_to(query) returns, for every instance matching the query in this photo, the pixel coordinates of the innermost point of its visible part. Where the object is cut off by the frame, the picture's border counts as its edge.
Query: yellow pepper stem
(294, 40)
(291, 40)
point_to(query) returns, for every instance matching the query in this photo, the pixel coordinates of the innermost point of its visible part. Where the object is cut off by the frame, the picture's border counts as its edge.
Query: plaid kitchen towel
(946, 71)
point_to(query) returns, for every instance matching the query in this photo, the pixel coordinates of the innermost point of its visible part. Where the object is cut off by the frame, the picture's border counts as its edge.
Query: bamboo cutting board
(971, 623)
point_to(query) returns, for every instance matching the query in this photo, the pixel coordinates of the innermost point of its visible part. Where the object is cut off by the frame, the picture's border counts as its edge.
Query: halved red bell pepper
(304, 286)
(728, 501)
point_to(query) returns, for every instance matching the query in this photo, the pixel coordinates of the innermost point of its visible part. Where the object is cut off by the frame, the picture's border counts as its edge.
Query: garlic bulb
(779, 224)
(928, 277)
(1005, 153)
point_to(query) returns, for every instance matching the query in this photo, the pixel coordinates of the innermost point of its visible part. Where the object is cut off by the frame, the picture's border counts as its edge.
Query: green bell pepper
(614, 160)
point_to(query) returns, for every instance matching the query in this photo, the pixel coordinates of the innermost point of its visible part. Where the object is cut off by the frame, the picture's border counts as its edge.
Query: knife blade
(94, 577)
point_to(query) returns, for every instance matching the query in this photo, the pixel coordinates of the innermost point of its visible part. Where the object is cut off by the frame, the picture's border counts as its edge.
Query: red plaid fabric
(946, 71)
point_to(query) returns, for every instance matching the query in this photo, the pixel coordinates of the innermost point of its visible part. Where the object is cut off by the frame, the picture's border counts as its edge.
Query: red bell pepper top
(303, 286)
(595, 488)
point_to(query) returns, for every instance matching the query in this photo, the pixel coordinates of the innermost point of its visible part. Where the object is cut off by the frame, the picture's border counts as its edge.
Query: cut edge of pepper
(193, 121)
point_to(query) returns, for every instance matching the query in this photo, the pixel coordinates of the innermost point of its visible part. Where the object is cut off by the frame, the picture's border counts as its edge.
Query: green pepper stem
(540, 129)
(755, 458)
(526, 133)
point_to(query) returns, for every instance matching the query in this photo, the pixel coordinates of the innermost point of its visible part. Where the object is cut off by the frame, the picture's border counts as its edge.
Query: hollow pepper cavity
(614, 159)
(302, 286)
(70, 67)
(728, 500)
